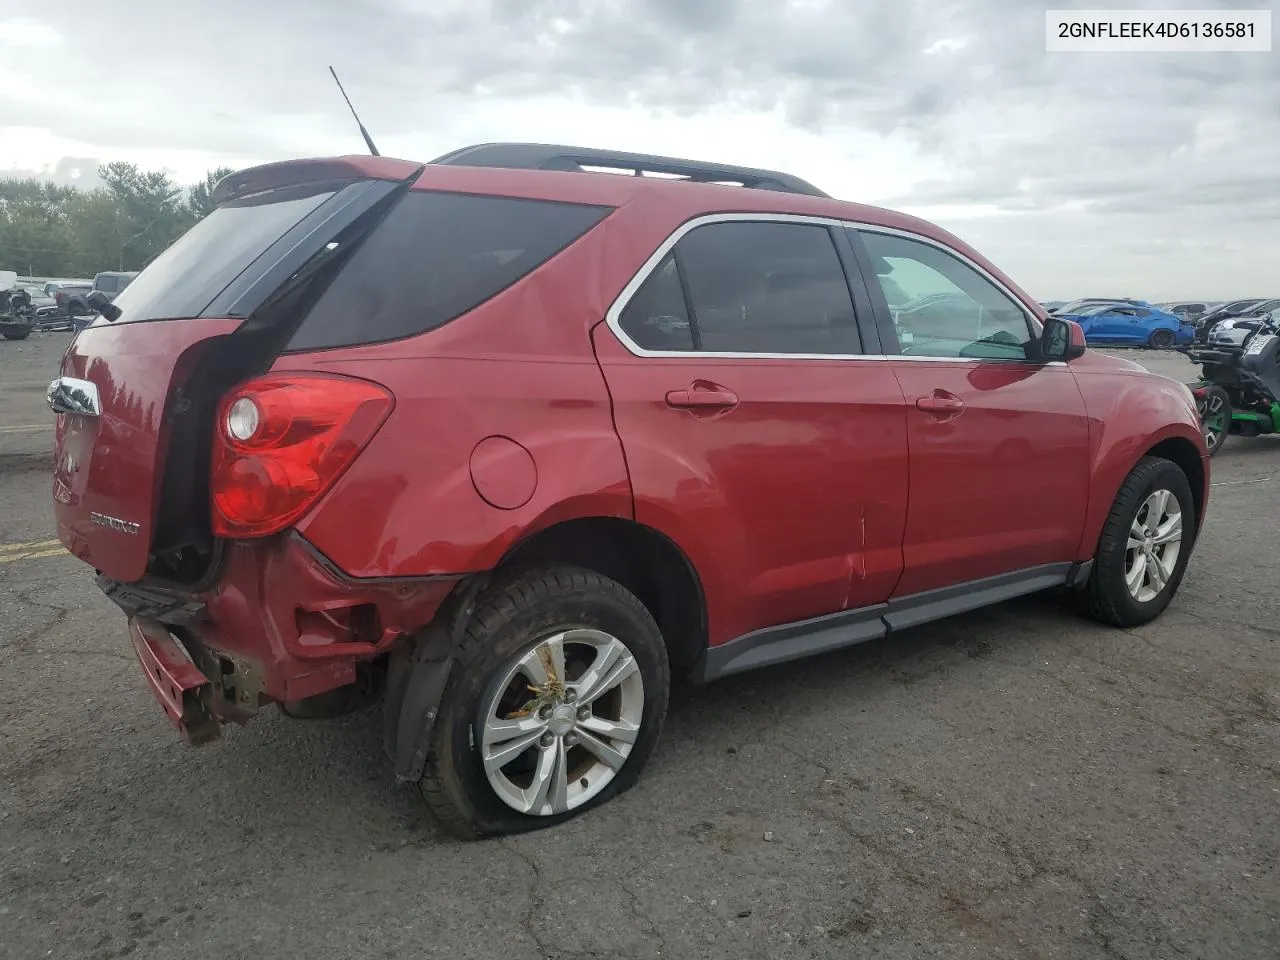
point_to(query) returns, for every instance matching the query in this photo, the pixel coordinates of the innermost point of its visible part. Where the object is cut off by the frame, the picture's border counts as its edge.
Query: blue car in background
(1130, 324)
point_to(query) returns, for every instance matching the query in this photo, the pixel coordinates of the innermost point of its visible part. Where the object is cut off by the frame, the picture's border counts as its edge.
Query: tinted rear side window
(184, 279)
(763, 287)
(657, 318)
(435, 257)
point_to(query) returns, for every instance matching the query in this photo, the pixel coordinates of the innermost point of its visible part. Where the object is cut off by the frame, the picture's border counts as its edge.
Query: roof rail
(546, 156)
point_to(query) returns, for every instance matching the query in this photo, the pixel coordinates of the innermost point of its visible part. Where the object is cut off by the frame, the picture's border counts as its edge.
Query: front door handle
(940, 403)
(702, 396)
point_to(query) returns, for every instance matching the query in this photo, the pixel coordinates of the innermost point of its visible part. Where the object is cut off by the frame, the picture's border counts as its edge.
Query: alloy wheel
(1155, 541)
(561, 721)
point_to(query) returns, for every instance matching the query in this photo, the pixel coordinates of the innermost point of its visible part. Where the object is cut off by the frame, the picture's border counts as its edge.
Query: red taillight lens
(281, 441)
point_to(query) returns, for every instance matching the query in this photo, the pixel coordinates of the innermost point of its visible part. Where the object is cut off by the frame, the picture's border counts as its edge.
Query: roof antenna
(363, 132)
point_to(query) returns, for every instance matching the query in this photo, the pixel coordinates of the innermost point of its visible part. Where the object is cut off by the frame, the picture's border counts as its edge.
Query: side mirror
(1061, 339)
(98, 300)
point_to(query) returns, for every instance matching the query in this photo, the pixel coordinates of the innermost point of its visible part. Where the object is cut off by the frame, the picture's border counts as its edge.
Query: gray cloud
(1186, 139)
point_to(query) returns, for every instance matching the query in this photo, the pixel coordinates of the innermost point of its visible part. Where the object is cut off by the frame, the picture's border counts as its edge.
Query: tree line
(47, 230)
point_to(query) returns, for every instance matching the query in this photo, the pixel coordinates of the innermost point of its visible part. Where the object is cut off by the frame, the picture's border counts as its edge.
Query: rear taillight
(281, 441)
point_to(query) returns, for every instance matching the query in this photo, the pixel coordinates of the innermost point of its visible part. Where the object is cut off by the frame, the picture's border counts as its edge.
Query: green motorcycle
(1239, 390)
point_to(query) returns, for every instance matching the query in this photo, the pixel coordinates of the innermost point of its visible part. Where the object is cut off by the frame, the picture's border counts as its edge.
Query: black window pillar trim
(886, 331)
(864, 312)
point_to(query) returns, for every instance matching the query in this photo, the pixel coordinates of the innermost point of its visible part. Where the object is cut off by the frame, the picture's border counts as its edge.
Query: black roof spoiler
(546, 156)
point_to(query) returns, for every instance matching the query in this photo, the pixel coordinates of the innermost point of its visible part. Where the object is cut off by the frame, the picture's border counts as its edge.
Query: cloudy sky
(1149, 175)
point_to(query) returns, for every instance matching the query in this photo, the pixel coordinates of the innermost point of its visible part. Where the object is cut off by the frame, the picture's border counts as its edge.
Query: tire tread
(1101, 598)
(510, 591)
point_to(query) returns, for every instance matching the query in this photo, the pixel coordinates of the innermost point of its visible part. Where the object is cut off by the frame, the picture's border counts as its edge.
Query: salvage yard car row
(1138, 323)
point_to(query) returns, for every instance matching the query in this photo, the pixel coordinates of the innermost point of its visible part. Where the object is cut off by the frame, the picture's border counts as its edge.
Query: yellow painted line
(27, 545)
(35, 555)
(27, 428)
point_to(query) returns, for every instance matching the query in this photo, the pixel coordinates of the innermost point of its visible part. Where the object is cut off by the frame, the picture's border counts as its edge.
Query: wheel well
(642, 560)
(1184, 453)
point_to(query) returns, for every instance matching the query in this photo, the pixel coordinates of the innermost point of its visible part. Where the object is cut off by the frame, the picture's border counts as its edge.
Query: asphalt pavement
(1012, 783)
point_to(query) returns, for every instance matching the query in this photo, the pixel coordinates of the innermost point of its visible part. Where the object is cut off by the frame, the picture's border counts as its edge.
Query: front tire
(1144, 548)
(554, 703)
(1161, 339)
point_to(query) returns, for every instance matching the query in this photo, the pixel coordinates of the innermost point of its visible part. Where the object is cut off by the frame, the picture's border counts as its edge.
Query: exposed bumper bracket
(181, 689)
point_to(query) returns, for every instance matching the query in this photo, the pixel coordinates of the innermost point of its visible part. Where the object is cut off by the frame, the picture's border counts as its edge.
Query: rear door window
(657, 318)
(768, 288)
(435, 257)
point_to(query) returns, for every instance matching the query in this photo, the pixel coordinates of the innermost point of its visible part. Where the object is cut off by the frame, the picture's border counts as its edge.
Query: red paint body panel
(113, 464)
(519, 366)
(1130, 411)
(792, 504)
(1003, 484)
(268, 608)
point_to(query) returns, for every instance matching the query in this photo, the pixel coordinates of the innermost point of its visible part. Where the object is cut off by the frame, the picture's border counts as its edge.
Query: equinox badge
(114, 523)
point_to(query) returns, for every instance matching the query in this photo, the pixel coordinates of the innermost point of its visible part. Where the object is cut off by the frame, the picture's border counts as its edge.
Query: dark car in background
(1234, 329)
(1233, 310)
(1191, 310)
(72, 299)
(111, 283)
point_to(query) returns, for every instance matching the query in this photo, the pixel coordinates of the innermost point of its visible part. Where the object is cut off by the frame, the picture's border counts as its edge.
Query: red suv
(511, 442)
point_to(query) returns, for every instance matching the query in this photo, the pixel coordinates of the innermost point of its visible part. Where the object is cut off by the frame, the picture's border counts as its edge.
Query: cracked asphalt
(1015, 783)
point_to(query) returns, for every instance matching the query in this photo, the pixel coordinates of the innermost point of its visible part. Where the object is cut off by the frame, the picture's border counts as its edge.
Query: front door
(756, 436)
(999, 444)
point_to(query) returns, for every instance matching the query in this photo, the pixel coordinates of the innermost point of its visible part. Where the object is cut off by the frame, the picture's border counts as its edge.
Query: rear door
(999, 443)
(118, 382)
(758, 432)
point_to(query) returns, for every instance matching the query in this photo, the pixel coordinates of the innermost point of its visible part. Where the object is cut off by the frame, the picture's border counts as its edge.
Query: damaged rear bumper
(281, 625)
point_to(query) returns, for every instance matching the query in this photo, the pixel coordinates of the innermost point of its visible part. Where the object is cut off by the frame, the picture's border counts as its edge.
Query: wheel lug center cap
(563, 719)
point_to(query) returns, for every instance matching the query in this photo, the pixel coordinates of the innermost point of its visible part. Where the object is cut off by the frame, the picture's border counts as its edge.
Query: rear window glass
(436, 256)
(184, 279)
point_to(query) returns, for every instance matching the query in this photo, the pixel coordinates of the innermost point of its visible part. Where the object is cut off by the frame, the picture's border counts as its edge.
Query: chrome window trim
(613, 317)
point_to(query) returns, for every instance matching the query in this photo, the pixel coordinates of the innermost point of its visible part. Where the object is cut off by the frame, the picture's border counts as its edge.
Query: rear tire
(516, 622)
(18, 336)
(1161, 339)
(1155, 497)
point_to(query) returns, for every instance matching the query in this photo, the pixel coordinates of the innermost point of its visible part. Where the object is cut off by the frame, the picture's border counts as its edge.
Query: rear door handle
(702, 398)
(940, 403)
